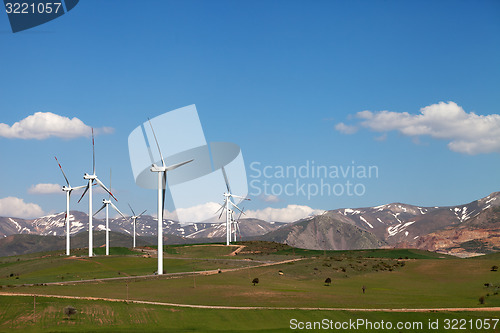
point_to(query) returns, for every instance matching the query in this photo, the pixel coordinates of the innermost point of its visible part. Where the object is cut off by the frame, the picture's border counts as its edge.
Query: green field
(423, 281)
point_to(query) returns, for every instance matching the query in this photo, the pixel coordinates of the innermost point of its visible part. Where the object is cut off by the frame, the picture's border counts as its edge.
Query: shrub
(69, 311)
(481, 300)
(255, 281)
(328, 281)
(494, 268)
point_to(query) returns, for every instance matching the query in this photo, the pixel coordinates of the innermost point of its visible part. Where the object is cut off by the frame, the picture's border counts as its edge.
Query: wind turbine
(105, 204)
(134, 219)
(236, 224)
(91, 179)
(228, 207)
(162, 183)
(68, 189)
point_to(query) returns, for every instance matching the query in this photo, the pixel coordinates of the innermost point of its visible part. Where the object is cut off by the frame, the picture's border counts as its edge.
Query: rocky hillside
(400, 224)
(480, 234)
(324, 232)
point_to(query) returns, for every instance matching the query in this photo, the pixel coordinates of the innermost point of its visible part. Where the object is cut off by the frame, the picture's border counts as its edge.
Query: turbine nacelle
(156, 168)
(89, 177)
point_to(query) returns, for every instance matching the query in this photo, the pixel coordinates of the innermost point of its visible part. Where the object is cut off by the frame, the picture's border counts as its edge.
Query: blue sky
(275, 77)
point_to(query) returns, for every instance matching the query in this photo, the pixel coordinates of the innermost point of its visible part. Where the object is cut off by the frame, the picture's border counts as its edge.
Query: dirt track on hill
(221, 307)
(163, 276)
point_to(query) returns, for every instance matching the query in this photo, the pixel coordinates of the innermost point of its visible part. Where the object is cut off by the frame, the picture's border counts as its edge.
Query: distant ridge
(463, 230)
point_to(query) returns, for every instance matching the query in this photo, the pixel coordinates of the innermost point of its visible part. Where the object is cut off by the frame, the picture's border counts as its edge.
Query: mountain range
(461, 230)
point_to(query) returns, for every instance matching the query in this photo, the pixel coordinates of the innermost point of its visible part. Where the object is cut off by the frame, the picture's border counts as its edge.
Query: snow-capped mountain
(449, 229)
(402, 223)
(54, 225)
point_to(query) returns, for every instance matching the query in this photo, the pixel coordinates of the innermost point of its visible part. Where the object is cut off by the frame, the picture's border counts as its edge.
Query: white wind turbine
(105, 204)
(228, 207)
(134, 219)
(68, 189)
(162, 183)
(236, 225)
(91, 179)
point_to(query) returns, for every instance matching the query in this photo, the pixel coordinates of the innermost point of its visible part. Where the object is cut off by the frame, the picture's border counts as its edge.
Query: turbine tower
(162, 183)
(134, 219)
(236, 225)
(68, 189)
(91, 178)
(228, 207)
(105, 204)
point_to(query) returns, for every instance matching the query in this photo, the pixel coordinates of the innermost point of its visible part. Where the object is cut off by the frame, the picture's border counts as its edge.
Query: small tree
(255, 281)
(481, 300)
(494, 268)
(69, 311)
(364, 289)
(328, 281)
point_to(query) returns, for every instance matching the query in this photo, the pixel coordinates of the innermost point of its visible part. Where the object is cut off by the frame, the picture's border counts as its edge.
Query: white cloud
(45, 189)
(346, 129)
(43, 125)
(206, 213)
(383, 137)
(467, 133)
(271, 198)
(197, 213)
(15, 207)
(290, 213)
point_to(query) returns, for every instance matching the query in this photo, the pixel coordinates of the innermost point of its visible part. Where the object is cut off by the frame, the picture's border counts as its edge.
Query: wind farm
(134, 219)
(105, 205)
(68, 189)
(304, 270)
(288, 166)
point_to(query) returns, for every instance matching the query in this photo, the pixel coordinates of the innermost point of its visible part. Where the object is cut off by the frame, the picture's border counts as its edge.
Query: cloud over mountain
(15, 207)
(289, 213)
(467, 133)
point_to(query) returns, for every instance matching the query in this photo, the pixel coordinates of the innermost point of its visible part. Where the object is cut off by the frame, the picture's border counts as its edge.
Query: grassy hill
(392, 278)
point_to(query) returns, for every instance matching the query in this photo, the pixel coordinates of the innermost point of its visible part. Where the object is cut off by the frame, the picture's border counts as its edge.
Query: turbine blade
(103, 206)
(222, 209)
(110, 187)
(133, 213)
(157, 144)
(241, 213)
(115, 208)
(105, 188)
(84, 192)
(239, 197)
(78, 187)
(142, 213)
(238, 208)
(93, 153)
(60, 167)
(175, 166)
(225, 179)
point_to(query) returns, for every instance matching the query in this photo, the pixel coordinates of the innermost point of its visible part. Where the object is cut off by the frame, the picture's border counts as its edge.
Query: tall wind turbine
(162, 183)
(228, 207)
(236, 225)
(105, 204)
(68, 189)
(134, 219)
(88, 188)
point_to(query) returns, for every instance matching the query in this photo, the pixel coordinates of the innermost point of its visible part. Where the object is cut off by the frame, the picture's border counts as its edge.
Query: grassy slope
(418, 284)
(16, 315)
